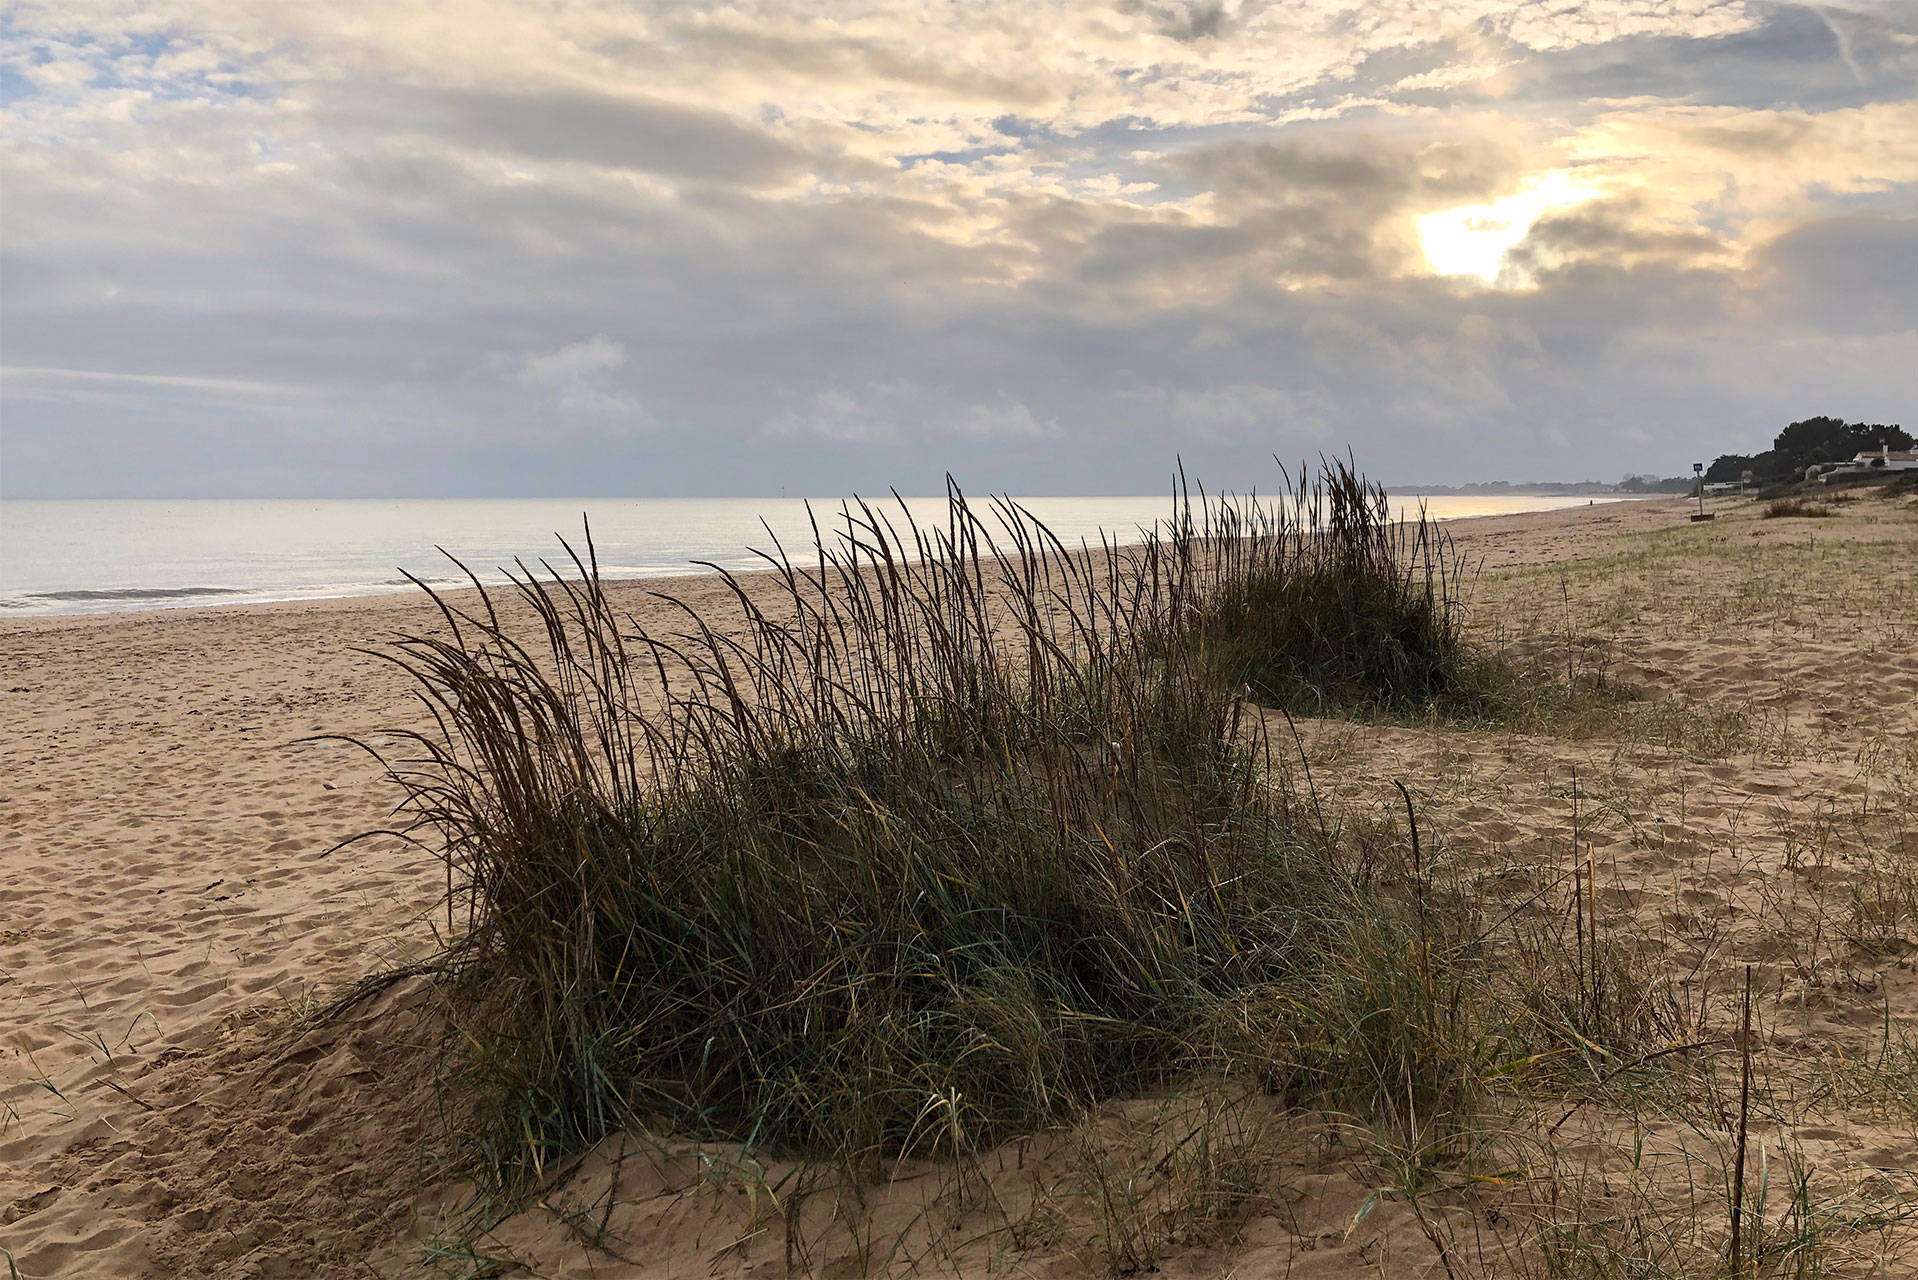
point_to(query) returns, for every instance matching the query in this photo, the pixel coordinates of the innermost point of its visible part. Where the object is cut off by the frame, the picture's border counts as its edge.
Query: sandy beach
(173, 904)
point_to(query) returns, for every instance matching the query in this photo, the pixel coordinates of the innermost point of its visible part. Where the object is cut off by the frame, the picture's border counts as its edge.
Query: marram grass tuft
(939, 835)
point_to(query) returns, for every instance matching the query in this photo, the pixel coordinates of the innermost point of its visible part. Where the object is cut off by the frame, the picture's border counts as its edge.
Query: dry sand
(171, 901)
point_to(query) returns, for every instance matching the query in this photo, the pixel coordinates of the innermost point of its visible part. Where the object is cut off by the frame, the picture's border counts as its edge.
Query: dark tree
(1815, 440)
(1880, 436)
(1822, 440)
(1811, 442)
(1727, 467)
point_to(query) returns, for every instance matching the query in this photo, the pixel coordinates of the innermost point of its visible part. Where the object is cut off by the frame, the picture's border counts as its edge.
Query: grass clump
(1795, 508)
(1322, 601)
(942, 835)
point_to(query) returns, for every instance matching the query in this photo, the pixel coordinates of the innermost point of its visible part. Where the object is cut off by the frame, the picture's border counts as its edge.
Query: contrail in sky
(1844, 42)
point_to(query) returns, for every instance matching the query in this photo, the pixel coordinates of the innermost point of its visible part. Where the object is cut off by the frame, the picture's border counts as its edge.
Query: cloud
(1850, 275)
(1843, 42)
(874, 414)
(577, 375)
(865, 241)
(900, 412)
(1001, 419)
(17, 376)
(1184, 20)
(1268, 417)
(605, 130)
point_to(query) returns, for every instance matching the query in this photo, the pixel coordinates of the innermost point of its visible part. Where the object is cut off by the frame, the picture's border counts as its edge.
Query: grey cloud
(1850, 275)
(1241, 412)
(1259, 249)
(1183, 20)
(1790, 58)
(1618, 232)
(595, 128)
(576, 286)
(1348, 162)
(1420, 387)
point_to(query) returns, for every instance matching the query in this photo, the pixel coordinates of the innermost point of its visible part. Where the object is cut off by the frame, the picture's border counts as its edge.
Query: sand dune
(171, 899)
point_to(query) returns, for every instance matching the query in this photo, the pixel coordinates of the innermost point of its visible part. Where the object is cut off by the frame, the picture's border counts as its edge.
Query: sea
(74, 556)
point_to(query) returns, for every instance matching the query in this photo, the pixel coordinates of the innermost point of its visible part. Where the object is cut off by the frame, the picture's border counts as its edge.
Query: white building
(1886, 459)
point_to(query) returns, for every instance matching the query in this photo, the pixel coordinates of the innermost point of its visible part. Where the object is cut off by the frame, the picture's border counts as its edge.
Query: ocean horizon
(63, 556)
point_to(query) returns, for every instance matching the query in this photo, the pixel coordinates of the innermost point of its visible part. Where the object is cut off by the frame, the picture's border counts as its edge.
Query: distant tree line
(1529, 488)
(1654, 484)
(1558, 488)
(1807, 444)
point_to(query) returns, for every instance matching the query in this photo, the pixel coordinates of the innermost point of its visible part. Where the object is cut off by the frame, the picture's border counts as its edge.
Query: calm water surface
(66, 556)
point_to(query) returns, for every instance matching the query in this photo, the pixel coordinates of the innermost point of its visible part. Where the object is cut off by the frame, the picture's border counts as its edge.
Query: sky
(474, 248)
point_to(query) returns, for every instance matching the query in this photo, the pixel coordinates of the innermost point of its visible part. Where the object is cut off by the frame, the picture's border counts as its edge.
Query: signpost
(1698, 470)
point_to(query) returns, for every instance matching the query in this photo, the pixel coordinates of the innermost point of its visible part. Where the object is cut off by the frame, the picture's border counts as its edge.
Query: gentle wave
(133, 593)
(108, 600)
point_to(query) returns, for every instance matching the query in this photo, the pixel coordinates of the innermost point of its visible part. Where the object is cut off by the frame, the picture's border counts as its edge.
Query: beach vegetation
(1321, 601)
(1795, 508)
(958, 843)
(938, 835)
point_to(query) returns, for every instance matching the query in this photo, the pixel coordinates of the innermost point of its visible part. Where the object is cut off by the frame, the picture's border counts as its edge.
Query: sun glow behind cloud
(1472, 240)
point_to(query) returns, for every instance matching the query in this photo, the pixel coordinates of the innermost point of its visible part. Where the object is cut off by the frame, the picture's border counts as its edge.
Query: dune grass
(1322, 602)
(942, 835)
(1794, 507)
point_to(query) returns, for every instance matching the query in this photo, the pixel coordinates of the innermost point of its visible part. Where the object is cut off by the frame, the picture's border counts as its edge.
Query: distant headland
(1646, 484)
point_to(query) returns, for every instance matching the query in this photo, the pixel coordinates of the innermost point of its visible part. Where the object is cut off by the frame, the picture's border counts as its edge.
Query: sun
(1472, 240)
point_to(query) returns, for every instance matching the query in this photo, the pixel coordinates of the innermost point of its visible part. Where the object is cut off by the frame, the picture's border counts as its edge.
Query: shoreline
(24, 620)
